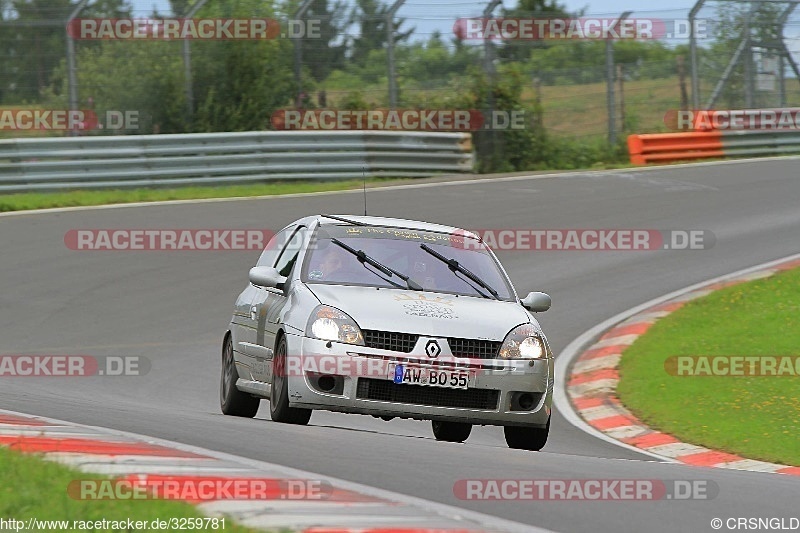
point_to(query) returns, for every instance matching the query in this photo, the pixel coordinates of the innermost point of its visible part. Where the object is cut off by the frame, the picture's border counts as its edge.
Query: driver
(332, 261)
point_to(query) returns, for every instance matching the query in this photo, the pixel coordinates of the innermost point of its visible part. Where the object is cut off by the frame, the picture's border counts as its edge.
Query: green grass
(35, 488)
(757, 417)
(24, 201)
(579, 110)
(575, 111)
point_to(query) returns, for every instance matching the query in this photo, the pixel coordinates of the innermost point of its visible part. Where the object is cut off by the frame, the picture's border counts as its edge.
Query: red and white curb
(592, 382)
(347, 507)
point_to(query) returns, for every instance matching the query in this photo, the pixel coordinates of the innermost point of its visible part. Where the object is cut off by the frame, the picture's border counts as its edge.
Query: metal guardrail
(227, 158)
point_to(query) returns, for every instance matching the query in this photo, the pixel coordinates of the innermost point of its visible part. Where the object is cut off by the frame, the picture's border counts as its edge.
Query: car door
(247, 331)
(268, 304)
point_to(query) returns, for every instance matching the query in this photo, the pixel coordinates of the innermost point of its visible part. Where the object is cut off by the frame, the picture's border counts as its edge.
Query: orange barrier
(669, 147)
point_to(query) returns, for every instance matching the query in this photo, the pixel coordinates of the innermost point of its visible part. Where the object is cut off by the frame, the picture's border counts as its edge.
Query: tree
(508, 149)
(370, 18)
(539, 9)
(570, 63)
(32, 43)
(324, 54)
(180, 7)
(434, 63)
(36, 45)
(734, 22)
(237, 84)
(6, 48)
(107, 8)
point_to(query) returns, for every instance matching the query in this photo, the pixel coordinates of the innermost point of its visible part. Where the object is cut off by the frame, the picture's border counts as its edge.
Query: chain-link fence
(177, 67)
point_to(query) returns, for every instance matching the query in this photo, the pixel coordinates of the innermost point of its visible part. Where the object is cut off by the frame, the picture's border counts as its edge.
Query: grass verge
(43, 200)
(35, 488)
(756, 417)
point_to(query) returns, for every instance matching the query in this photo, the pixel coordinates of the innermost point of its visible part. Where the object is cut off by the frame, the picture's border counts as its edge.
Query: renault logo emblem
(433, 349)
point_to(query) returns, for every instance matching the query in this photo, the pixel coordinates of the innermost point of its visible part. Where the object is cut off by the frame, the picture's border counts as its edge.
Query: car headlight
(523, 342)
(330, 324)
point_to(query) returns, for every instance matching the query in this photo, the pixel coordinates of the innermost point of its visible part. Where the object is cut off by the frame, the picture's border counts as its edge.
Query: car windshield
(399, 250)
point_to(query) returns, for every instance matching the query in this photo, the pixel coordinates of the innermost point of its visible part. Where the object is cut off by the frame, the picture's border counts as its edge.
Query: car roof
(395, 223)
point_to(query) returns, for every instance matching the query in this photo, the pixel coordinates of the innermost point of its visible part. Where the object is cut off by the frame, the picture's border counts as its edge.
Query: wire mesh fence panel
(110, 67)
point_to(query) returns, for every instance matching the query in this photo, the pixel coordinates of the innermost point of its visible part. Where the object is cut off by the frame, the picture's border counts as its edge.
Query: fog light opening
(526, 401)
(326, 383)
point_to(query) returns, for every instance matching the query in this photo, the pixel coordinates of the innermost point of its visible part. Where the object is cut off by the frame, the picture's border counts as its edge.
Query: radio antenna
(364, 175)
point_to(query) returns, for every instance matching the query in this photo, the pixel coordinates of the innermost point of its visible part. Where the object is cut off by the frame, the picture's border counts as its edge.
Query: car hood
(424, 313)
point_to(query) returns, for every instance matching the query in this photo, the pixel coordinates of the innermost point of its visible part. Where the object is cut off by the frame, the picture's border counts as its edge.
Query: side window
(289, 254)
(274, 247)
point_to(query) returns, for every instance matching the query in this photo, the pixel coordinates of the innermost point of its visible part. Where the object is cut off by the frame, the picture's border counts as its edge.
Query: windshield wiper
(364, 259)
(455, 267)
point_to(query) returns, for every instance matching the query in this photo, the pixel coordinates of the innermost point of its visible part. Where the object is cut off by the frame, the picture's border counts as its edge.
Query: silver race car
(390, 318)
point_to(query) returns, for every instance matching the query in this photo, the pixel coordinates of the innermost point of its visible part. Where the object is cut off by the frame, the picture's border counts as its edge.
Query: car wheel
(521, 438)
(451, 431)
(233, 401)
(279, 408)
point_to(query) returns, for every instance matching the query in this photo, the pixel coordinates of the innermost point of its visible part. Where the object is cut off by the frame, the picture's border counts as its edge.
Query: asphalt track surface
(173, 307)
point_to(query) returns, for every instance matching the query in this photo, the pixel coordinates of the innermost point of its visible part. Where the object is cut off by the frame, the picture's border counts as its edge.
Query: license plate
(431, 377)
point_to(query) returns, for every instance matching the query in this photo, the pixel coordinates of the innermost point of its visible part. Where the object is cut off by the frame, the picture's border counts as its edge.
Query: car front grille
(388, 391)
(475, 348)
(390, 340)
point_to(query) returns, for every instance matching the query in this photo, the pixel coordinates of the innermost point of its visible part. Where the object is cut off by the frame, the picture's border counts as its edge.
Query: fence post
(71, 68)
(390, 52)
(693, 53)
(610, 99)
(187, 65)
(488, 65)
(298, 49)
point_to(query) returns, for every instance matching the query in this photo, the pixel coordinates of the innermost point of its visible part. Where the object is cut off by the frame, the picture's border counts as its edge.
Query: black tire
(451, 431)
(279, 408)
(531, 439)
(232, 401)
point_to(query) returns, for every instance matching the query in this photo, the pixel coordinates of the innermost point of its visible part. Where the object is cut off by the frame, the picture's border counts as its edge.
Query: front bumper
(513, 393)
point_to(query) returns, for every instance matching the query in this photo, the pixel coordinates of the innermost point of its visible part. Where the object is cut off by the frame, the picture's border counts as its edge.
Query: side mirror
(537, 302)
(266, 277)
